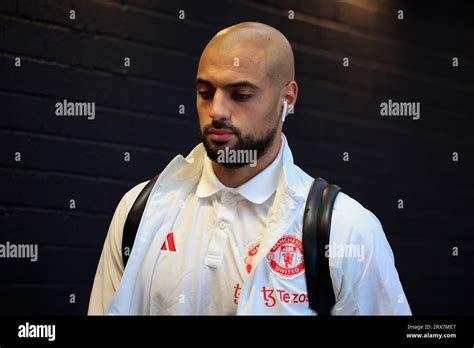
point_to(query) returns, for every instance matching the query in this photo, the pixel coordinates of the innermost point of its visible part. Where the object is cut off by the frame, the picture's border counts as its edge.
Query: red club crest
(285, 259)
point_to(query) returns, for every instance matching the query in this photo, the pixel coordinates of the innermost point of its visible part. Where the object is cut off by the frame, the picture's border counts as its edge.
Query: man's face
(236, 103)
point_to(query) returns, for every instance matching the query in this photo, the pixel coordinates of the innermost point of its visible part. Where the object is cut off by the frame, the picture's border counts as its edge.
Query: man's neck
(234, 177)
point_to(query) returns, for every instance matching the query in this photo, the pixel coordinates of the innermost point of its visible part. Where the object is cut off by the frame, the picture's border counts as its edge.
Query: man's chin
(214, 151)
(220, 145)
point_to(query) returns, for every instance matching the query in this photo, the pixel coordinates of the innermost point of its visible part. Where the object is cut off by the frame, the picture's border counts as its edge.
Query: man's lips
(220, 134)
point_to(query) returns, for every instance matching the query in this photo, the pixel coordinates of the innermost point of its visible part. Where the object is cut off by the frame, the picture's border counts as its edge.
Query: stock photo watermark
(335, 250)
(404, 109)
(66, 108)
(28, 330)
(19, 251)
(227, 155)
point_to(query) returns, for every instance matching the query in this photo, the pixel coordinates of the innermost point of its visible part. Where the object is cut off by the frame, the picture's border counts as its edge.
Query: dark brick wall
(338, 111)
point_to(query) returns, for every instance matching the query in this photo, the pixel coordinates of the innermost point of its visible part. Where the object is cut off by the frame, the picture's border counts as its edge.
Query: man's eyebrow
(237, 84)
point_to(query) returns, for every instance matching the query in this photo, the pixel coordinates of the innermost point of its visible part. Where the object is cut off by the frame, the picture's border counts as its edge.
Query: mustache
(221, 125)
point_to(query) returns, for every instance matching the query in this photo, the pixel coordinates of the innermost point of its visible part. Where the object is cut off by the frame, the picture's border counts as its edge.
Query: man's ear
(291, 96)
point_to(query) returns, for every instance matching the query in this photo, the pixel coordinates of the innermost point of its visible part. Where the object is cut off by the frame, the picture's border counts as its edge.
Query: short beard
(248, 143)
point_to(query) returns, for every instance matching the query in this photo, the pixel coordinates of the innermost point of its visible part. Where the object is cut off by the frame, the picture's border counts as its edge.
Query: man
(221, 231)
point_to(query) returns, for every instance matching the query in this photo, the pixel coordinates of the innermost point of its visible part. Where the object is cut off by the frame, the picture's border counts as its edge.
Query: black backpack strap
(133, 220)
(316, 233)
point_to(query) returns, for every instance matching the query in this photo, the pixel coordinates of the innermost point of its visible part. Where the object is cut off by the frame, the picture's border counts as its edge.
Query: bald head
(244, 89)
(256, 44)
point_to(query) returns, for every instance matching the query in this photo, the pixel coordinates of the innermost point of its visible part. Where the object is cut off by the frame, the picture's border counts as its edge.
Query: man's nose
(220, 108)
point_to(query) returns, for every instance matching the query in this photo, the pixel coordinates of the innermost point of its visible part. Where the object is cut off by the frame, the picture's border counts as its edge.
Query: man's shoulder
(351, 221)
(131, 195)
(347, 212)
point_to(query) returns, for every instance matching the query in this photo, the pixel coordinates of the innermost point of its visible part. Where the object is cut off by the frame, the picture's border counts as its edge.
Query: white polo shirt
(216, 236)
(197, 241)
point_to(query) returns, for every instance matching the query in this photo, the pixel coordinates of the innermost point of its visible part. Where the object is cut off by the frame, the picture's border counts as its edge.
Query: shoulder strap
(316, 232)
(133, 220)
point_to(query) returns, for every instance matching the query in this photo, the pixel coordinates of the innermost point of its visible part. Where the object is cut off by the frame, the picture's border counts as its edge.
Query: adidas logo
(169, 243)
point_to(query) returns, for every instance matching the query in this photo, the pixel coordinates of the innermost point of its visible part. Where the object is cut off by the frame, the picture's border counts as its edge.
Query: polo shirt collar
(257, 190)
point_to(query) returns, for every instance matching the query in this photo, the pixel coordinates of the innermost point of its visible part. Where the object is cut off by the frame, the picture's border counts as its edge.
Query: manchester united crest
(285, 259)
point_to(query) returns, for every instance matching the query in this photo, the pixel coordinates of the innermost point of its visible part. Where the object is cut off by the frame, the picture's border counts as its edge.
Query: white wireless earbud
(285, 107)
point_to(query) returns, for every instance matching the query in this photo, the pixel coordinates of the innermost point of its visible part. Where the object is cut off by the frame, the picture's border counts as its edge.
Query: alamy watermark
(28, 330)
(227, 155)
(336, 250)
(21, 251)
(66, 108)
(394, 108)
